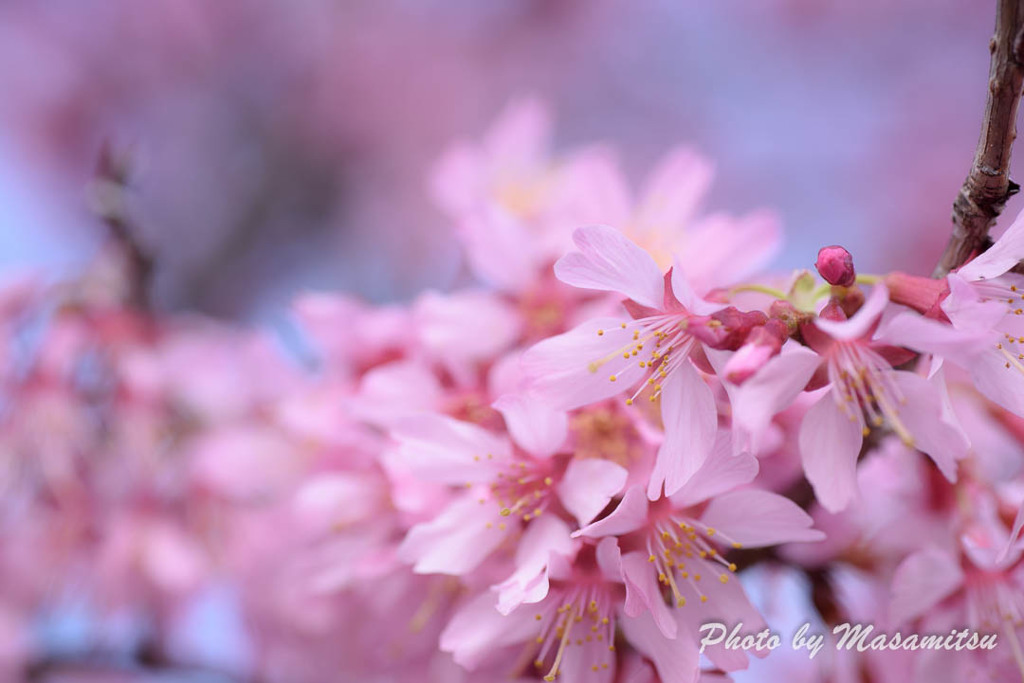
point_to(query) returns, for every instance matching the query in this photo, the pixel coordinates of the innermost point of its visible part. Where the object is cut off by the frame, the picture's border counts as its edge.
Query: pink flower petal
(596, 190)
(457, 540)
(858, 326)
(643, 594)
(721, 472)
(684, 293)
(441, 449)
(390, 392)
(478, 630)
(456, 181)
(675, 188)
(722, 250)
(609, 261)
(921, 582)
(1007, 252)
(759, 518)
(499, 248)
(451, 326)
(675, 661)
(579, 660)
(538, 428)
(609, 558)
(245, 463)
(922, 415)
(1004, 385)
(574, 369)
(690, 417)
(629, 515)
(771, 390)
(961, 346)
(1013, 545)
(965, 307)
(529, 584)
(726, 603)
(588, 485)
(519, 140)
(829, 445)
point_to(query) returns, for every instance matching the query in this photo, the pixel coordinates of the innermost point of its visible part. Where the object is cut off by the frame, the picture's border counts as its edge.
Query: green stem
(762, 289)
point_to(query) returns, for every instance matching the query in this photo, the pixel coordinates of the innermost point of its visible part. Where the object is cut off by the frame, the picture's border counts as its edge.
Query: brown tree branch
(109, 185)
(988, 185)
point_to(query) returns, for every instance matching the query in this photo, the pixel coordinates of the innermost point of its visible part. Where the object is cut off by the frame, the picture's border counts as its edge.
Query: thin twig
(988, 185)
(109, 188)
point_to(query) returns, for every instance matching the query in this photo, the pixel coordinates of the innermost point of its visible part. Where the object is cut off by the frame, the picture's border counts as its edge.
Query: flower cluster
(626, 429)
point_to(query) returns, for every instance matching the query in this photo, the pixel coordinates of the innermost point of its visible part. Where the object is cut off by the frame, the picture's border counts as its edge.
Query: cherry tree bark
(988, 185)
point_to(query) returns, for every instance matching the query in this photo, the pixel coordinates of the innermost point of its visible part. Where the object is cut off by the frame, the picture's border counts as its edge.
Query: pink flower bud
(762, 345)
(923, 294)
(836, 265)
(727, 328)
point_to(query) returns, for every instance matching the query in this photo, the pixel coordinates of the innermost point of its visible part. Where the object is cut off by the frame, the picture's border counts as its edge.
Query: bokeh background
(285, 146)
(281, 146)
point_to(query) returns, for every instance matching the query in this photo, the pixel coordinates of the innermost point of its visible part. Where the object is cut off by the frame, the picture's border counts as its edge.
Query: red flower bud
(836, 265)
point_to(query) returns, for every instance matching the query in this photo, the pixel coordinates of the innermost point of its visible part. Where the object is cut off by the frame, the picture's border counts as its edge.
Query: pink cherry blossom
(679, 542)
(602, 358)
(860, 390)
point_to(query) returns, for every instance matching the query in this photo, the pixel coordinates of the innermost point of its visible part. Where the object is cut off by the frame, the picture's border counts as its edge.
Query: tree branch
(988, 185)
(109, 185)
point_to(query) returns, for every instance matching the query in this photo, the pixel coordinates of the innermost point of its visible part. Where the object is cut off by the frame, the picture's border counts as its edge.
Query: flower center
(864, 389)
(521, 489)
(658, 344)
(579, 616)
(683, 553)
(607, 435)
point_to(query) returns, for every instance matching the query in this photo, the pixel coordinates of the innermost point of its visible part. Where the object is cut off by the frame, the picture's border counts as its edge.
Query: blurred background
(279, 147)
(282, 146)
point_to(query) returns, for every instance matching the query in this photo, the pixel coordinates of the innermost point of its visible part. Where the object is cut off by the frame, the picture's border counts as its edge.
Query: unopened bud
(835, 265)
(727, 328)
(763, 343)
(923, 294)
